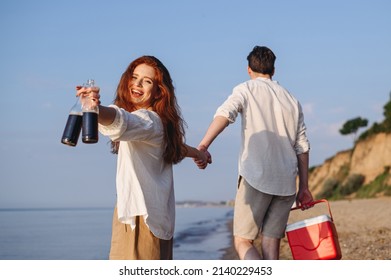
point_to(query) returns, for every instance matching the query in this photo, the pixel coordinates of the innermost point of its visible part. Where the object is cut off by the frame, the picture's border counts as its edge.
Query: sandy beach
(363, 227)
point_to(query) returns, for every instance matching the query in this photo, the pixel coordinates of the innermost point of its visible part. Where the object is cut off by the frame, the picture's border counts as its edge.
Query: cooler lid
(308, 222)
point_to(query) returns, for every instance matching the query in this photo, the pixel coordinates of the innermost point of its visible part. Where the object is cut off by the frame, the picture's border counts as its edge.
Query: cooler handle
(316, 202)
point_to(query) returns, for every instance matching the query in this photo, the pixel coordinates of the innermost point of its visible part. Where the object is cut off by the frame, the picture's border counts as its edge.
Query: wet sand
(363, 227)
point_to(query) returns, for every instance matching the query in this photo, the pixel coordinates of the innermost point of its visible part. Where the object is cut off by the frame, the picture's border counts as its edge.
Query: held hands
(204, 159)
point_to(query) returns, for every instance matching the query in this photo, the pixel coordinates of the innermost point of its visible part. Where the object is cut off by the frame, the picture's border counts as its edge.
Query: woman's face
(142, 86)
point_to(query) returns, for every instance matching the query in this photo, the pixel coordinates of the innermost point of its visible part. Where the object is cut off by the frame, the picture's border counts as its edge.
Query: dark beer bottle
(73, 126)
(90, 118)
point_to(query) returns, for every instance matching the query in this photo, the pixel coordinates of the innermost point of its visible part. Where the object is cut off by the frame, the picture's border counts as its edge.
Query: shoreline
(363, 229)
(229, 253)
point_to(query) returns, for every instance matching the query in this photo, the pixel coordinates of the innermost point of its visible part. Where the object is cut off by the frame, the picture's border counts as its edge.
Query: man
(274, 150)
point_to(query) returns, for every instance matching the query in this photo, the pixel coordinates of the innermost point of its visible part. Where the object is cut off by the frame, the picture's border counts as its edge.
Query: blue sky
(334, 56)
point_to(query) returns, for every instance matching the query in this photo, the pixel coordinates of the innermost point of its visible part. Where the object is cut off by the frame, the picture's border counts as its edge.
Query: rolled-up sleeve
(117, 127)
(140, 125)
(302, 144)
(233, 105)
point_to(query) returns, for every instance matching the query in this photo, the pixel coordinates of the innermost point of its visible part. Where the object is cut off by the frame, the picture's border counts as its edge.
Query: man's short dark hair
(261, 60)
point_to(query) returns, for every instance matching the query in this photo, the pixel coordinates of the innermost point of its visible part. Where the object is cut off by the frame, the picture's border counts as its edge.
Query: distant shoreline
(21, 209)
(180, 204)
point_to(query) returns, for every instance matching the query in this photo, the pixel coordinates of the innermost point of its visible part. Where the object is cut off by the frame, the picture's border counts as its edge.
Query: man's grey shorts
(256, 211)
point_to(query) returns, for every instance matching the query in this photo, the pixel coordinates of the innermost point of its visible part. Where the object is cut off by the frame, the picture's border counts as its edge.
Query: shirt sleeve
(117, 127)
(233, 105)
(302, 144)
(140, 125)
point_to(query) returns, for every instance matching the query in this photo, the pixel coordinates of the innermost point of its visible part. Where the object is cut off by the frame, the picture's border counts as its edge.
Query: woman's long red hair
(165, 105)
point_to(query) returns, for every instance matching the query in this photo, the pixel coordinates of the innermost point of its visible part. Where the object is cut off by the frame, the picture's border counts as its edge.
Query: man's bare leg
(270, 248)
(245, 249)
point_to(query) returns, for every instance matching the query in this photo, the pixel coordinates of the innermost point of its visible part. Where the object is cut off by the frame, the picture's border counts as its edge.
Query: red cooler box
(314, 238)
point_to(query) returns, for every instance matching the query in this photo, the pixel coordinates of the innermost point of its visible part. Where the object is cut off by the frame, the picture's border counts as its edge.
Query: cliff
(349, 172)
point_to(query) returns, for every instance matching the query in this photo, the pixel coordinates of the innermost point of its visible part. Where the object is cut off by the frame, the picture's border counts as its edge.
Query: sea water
(202, 233)
(84, 234)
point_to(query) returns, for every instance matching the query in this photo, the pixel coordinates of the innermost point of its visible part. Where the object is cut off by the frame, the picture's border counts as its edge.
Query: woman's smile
(136, 93)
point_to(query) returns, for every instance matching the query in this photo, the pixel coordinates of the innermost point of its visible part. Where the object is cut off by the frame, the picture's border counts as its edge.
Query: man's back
(270, 122)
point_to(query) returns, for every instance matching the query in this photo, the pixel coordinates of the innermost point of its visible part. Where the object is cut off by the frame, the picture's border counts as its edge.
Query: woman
(147, 132)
